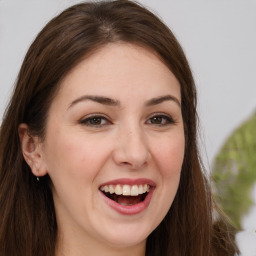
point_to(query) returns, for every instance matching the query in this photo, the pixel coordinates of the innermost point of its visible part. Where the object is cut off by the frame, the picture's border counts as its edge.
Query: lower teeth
(126, 200)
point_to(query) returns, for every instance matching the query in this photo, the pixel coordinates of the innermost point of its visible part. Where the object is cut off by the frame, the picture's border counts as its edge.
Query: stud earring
(37, 178)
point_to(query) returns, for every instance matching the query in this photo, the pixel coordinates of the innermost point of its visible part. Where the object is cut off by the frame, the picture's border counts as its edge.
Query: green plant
(234, 172)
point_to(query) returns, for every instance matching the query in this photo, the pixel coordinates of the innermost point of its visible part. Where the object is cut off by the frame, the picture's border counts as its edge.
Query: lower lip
(129, 209)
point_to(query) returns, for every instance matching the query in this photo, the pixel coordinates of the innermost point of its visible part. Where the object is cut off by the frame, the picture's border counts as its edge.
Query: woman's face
(114, 146)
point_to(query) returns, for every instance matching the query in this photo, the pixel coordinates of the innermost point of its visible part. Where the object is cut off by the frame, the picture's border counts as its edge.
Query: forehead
(120, 66)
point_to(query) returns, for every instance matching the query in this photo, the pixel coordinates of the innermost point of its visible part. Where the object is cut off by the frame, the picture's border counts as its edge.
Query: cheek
(169, 155)
(75, 156)
(73, 163)
(169, 158)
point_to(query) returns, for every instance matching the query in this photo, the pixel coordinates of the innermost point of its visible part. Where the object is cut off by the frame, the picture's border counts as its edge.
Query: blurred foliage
(234, 172)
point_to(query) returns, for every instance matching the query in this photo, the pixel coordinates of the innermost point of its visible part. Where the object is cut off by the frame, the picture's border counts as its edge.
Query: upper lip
(128, 181)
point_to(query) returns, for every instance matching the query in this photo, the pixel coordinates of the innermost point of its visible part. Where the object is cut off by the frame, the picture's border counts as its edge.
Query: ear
(32, 151)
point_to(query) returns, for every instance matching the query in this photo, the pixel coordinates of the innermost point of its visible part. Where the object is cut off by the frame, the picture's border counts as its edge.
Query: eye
(160, 120)
(95, 121)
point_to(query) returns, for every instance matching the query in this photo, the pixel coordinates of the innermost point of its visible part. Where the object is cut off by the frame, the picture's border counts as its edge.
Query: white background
(218, 37)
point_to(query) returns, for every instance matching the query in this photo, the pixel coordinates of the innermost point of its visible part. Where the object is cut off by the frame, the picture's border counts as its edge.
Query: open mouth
(126, 195)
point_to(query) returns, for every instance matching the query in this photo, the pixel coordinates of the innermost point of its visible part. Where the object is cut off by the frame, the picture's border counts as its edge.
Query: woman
(98, 144)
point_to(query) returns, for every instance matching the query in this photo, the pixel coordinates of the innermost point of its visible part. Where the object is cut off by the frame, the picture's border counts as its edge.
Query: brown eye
(95, 121)
(157, 120)
(160, 120)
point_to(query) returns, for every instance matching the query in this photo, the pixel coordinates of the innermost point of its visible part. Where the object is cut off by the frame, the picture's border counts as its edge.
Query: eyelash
(89, 121)
(166, 118)
(95, 121)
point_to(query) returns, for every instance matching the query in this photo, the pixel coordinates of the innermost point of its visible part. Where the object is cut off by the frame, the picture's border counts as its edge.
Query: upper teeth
(126, 190)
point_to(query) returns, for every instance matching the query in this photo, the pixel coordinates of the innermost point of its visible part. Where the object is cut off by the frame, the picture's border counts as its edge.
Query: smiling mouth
(126, 194)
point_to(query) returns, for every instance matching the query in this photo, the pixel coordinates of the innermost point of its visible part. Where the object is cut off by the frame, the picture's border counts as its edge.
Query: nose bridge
(132, 148)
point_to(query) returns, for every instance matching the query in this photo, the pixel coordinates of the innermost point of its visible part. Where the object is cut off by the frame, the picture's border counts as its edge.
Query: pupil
(96, 120)
(157, 120)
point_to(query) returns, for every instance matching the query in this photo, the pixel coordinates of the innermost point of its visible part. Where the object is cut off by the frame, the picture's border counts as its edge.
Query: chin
(126, 238)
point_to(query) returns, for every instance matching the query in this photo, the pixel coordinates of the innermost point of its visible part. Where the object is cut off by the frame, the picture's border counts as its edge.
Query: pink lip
(130, 209)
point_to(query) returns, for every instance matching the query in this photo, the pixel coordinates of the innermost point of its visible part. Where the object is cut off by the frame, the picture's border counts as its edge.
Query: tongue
(128, 200)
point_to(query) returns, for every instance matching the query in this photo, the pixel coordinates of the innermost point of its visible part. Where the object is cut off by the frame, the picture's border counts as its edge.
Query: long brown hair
(27, 216)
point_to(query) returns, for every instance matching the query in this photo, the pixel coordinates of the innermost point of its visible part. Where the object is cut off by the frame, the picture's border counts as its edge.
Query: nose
(131, 148)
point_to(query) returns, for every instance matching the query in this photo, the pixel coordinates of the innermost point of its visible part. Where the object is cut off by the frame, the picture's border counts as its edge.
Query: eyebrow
(99, 99)
(112, 102)
(159, 100)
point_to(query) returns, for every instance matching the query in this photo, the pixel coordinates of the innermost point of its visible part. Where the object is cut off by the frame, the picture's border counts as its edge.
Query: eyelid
(168, 117)
(85, 120)
(89, 117)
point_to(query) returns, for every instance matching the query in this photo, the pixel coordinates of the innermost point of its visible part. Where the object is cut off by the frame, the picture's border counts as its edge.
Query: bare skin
(117, 115)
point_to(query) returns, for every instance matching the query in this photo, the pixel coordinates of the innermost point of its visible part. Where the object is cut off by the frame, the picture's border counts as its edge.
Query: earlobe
(32, 151)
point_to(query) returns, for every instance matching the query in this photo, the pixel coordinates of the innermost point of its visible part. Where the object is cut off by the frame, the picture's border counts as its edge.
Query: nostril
(133, 165)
